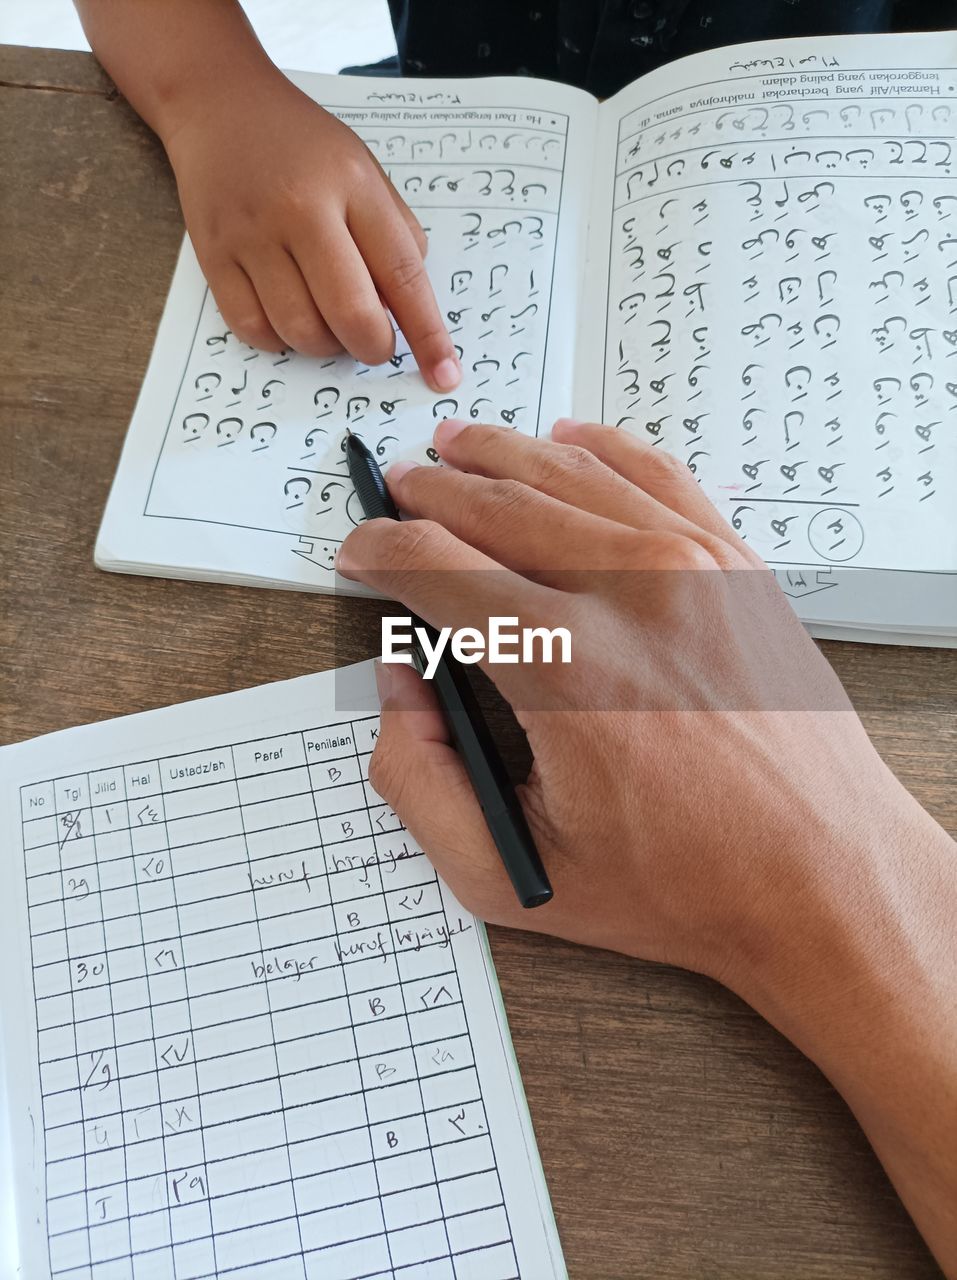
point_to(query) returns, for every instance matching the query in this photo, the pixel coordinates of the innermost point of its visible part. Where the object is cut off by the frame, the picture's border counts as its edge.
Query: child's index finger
(397, 266)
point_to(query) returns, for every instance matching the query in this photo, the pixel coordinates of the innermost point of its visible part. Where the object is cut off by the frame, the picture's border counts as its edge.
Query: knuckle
(411, 544)
(406, 273)
(557, 465)
(302, 333)
(672, 469)
(255, 332)
(382, 773)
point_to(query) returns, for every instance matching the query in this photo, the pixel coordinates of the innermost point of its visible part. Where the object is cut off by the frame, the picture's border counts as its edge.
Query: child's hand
(302, 237)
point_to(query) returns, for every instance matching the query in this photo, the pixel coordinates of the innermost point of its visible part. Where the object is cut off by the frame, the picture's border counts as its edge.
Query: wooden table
(682, 1138)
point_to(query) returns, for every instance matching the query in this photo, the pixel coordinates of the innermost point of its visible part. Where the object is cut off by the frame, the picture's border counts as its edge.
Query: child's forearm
(174, 58)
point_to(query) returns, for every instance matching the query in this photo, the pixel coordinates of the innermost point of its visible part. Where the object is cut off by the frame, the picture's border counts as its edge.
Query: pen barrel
(493, 788)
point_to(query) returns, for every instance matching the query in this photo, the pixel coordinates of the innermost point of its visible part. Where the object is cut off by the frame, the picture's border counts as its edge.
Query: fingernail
(565, 424)
(399, 469)
(383, 679)
(447, 430)
(447, 374)
(341, 563)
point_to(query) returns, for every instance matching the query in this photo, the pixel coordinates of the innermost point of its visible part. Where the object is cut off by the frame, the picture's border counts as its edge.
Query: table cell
(419, 1204)
(391, 1100)
(340, 1187)
(338, 1151)
(46, 921)
(51, 979)
(108, 1240)
(448, 1055)
(54, 1011)
(374, 973)
(195, 1260)
(134, 1024)
(328, 743)
(429, 962)
(219, 1010)
(426, 1026)
(66, 1177)
(317, 1016)
(399, 1172)
(232, 1138)
(213, 798)
(368, 1259)
(265, 770)
(295, 838)
(197, 768)
(72, 1249)
(341, 1224)
(363, 912)
(106, 1173)
(197, 918)
(37, 798)
(120, 908)
(260, 1201)
(489, 1263)
(418, 1244)
(65, 1142)
(40, 833)
(345, 826)
(463, 1156)
(72, 793)
(113, 845)
(208, 855)
(298, 884)
(66, 1212)
(136, 1059)
(320, 1119)
(214, 1045)
(170, 1016)
(373, 1006)
(143, 1126)
(374, 1039)
(306, 924)
(227, 1105)
(353, 869)
(246, 1245)
(321, 1083)
(244, 1066)
(150, 837)
(229, 1178)
(141, 780)
(200, 828)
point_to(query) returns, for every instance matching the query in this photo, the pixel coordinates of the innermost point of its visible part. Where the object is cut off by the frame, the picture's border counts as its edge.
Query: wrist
(185, 103)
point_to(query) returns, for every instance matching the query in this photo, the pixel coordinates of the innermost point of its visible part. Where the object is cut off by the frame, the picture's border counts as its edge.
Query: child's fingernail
(341, 563)
(383, 679)
(565, 424)
(447, 430)
(447, 374)
(399, 469)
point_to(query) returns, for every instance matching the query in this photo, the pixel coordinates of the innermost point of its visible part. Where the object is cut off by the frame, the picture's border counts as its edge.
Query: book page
(234, 464)
(247, 1032)
(775, 263)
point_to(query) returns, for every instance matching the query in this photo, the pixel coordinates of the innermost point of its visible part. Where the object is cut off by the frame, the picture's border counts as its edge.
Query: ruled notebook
(747, 257)
(246, 1030)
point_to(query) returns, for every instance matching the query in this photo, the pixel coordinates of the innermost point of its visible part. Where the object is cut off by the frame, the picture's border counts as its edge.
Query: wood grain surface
(682, 1138)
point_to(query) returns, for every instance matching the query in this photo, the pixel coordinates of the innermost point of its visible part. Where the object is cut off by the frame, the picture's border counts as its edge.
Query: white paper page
(233, 466)
(777, 270)
(247, 1032)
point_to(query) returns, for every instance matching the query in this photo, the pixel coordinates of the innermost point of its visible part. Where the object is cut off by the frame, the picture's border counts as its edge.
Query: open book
(246, 1031)
(748, 258)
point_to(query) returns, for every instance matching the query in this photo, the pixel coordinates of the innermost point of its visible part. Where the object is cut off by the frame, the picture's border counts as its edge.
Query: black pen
(470, 734)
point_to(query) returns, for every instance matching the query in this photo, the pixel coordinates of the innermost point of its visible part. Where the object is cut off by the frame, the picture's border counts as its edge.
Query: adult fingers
(396, 265)
(519, 527)
(661, 475)
(567, 472)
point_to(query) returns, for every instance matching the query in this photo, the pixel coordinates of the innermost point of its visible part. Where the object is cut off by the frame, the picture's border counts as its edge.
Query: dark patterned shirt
(602, 45)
